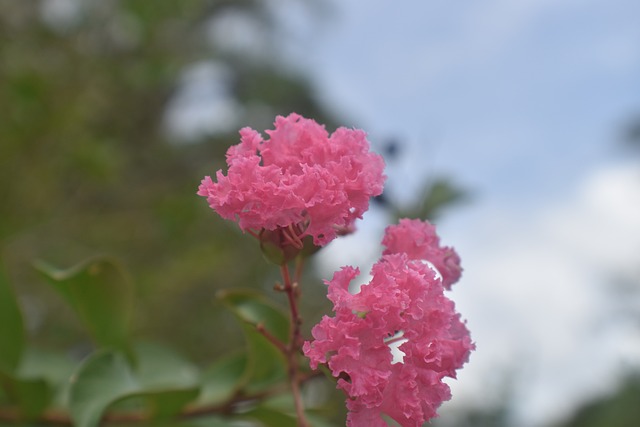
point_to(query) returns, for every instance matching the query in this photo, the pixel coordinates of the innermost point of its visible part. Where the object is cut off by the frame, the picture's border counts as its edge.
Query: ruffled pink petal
(404, 297)
(300, 176)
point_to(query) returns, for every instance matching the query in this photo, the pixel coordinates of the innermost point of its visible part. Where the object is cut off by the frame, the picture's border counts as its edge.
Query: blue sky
(521, 102)
(492, 87)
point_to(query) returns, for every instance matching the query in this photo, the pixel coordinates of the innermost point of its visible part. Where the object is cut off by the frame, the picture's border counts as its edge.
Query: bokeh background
(514, 126)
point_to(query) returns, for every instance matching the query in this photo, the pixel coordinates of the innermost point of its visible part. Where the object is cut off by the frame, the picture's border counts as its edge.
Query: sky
(522, 104)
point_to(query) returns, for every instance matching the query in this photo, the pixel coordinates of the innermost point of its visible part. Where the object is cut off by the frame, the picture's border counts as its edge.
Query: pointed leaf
(12, 336)
(101, 294)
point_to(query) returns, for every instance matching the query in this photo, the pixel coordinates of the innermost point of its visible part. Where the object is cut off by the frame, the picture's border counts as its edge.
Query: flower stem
(295, 341)
(299, 268)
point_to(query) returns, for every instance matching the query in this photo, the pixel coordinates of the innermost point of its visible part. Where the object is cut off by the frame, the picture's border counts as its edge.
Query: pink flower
(404, 302)
(300, 179)
(418, 239)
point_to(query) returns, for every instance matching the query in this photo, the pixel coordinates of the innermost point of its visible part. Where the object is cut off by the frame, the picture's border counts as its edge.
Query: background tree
(87, 165)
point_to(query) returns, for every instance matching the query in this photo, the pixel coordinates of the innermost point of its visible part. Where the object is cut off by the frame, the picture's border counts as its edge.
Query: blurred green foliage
(87, 167)
(621, 409)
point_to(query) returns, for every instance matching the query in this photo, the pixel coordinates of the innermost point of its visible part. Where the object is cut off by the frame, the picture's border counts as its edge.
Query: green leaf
(12, 335)
(53, 367)
(38, 383)
(210, 421)
(159, 367)
(223, 379)
(438, 195)
(101, 294)
(166, 404)
(31, 396)
(161, 380)
(253, 308)
(266, 364)
(101, 380)
(317, 420)
(272, 417)
(168, 380)
(283, 405)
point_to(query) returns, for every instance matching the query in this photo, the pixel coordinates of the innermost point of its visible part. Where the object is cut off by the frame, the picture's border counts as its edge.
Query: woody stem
(293, 347)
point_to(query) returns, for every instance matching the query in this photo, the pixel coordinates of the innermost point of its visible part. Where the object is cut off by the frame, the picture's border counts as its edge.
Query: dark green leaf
(101, 294)
(12, 336)
(31, 396)
(166, 404)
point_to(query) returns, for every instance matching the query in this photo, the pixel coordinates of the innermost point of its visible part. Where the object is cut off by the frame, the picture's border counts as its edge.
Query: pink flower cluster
(300, 178)
(404, 302)
(418, 239)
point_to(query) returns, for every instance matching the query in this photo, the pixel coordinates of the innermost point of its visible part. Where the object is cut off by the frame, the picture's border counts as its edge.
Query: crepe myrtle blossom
(301, 180)
(404, 302)
(418, 239)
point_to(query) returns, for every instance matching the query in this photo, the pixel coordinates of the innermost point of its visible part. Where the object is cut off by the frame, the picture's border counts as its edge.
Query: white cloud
(537, 292)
